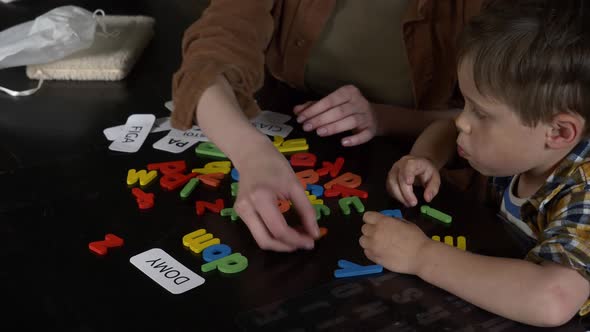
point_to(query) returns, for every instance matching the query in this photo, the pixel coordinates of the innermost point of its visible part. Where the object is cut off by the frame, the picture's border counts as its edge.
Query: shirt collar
(562, 175)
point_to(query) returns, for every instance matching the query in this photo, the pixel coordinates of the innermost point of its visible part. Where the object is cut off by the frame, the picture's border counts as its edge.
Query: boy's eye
(479, 114)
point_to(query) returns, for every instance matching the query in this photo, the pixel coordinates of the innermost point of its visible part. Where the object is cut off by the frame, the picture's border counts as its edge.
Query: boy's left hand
(392, 243)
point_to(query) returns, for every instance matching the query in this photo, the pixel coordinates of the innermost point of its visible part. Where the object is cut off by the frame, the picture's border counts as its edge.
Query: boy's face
(492, 137)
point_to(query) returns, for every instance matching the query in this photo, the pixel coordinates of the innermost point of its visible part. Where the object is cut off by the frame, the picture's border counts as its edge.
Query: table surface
(62, 189)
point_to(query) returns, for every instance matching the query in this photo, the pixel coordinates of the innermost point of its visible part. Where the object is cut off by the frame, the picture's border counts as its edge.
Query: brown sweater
(237, 38)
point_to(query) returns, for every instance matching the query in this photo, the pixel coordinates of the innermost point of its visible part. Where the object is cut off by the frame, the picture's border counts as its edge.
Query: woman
(376, 62)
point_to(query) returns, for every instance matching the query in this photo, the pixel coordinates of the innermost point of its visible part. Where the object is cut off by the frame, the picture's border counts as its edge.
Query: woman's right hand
(265, 174)
(264, 179)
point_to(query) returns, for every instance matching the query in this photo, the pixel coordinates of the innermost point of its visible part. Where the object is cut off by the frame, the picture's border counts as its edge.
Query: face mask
(50, 37)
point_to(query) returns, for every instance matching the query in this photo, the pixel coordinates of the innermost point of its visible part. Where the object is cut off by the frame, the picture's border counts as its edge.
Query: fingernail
(322, 131)
(307, 127)
(346, 142)
(300, 119)
(309, 246)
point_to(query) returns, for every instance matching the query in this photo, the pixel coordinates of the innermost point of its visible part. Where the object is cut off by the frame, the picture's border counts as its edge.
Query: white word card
(166, 271)
(134, 133)
(161, 124)
(178, 141)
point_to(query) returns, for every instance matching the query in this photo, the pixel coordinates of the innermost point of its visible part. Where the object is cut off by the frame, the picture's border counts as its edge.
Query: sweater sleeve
(229, 39)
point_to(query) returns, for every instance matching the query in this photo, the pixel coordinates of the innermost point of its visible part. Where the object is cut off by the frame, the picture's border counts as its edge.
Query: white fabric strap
(97, 16)
(23, 93)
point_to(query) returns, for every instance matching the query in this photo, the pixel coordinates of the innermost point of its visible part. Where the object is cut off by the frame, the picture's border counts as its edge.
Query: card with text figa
(161, 124)
(134, 133)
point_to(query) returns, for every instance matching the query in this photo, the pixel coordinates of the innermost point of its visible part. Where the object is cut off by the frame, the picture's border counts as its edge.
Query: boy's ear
(564, 130)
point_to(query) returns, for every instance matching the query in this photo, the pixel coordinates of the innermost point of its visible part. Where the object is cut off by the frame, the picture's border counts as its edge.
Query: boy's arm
(436, 143)
(547, 294)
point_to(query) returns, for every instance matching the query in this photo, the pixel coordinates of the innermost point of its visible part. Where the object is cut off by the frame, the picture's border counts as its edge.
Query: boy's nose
(462, 123)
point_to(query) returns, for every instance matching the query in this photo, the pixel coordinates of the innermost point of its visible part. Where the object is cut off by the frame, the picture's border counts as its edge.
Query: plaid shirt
(559, 214)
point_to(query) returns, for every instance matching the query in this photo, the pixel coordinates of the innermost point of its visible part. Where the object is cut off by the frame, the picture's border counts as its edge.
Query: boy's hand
(402, 177)
(392, 243)
(342, 110)
(262, 182)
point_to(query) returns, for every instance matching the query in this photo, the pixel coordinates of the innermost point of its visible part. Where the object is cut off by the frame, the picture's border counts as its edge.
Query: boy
(524, 71)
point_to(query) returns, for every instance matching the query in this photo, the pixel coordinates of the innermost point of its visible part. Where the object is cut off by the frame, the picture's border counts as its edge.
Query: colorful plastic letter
(214, 167)
(333, 169)
(198, 240)
(101, 247)
(208, 149)
(144, 177)
(234, 189)
(144, 200)
(174, 181)
(216, 207)
(284, 205)
(321, 209)
(303, 159)
(436, 214)
(349, 269)
(229, 212)
(449, 240)
(316, 190)
(211, 179)
(392, 213)
(294, 145)
(189, 187)
(169, 167)
(235, 175)
(309, 176)
(215, 252)
(345, 202)
(462, 243)
(347, 179)
(277, 141)
(233, 263)
(338, 189)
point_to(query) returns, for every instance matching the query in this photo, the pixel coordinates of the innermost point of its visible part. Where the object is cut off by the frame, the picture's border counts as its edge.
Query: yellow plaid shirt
(559, 214)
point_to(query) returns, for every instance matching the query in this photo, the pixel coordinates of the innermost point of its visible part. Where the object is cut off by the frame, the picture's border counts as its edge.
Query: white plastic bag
(51, 36)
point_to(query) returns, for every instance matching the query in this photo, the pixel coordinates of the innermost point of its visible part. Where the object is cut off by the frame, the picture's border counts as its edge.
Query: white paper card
(273, 117)
(272, 129)
(267, 116)
(268, 122)
(169, 105)
(166, 271)
(134, 133)
(161, 124)
(178, 141)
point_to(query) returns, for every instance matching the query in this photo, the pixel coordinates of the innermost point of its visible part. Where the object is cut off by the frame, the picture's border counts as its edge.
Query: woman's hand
(342, 110)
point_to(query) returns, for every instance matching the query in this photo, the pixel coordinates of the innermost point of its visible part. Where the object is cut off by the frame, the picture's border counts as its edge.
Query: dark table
(61, 188)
